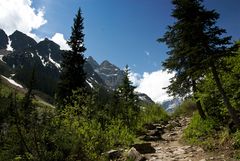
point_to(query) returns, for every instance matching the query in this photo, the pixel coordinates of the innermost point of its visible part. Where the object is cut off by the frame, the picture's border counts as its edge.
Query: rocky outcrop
(3, 40)
(21, 41)
(20, 53)
(111, 74)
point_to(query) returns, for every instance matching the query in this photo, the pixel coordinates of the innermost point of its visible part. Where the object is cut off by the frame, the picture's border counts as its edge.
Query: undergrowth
(186, 108)
(153, 114)
(212, 136)
(201, 132)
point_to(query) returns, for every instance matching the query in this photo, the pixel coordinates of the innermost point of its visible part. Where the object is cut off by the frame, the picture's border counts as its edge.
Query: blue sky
(121, 31)
(125, 31)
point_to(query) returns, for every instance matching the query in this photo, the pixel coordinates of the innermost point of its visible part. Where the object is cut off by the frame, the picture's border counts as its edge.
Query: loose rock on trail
(162, 143)
(169, 147)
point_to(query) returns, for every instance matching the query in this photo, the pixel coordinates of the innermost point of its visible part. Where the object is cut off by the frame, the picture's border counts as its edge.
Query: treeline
(85, 122)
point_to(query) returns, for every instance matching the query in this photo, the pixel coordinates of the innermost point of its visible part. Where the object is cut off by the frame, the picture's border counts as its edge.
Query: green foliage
(201, 132)
(236, 140)
(84, 130)
(88, 130)
(197, 47)
(125, 103)
(210, 95)
(72, 74)
(86, 124)
(118, 134)
(186, 108)
(188, 56)
(153, 114)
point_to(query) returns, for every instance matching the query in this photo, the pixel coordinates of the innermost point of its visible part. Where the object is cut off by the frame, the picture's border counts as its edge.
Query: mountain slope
(20, 41)
(45, 58)
(3, 40)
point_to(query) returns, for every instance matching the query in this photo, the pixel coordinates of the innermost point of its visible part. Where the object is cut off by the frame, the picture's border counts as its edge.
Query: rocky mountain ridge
(19, 54)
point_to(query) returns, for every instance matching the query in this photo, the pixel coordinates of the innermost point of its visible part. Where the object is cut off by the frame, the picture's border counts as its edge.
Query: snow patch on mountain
(90, 84)
(1, 58)
(9, 46)
(171, 104)
(12, 75)
(55, 63)
(13, 82)
(142, 98)
(96, 81)
(42, 59)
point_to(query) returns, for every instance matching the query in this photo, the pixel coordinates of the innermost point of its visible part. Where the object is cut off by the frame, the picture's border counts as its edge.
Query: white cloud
(152, 84)
(20, 15)
(135, 78)
(60, 40)
(35, 37)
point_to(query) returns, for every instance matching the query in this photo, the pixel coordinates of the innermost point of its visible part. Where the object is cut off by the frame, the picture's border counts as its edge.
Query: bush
(152, 114)
(186, 108)
(236, 139)
(118, 135)
(200, 132)
(82, 131)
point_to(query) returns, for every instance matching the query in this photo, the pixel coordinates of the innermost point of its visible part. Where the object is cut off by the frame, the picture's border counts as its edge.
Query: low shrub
(236, 139)
(118, 135)
(153, 114)
(200, 132)
(186, 108)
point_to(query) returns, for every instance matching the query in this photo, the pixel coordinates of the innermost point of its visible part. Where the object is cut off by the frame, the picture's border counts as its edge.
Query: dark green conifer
(72, 74)
(128, 106)
(197, 46)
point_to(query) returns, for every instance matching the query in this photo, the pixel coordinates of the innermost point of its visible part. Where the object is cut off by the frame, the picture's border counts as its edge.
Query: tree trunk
(231, 110)
(198, 103)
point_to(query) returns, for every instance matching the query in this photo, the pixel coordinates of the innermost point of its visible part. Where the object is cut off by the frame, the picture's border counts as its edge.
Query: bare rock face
(19, 54)
(3, 40)
(111, 74)
(21, 41)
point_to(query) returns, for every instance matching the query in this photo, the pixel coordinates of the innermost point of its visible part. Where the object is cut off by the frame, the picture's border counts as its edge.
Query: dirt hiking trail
(169, 148)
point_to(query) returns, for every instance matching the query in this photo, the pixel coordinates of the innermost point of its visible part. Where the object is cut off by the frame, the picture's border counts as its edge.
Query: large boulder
(114, 154)
(144, 148)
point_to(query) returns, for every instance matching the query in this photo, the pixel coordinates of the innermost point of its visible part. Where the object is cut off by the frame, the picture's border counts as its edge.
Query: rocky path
(169, 147)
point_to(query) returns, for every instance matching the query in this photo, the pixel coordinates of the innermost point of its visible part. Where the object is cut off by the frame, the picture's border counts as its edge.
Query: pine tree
(72, 74)
(196, 47)
(182, 39)
(128, 106)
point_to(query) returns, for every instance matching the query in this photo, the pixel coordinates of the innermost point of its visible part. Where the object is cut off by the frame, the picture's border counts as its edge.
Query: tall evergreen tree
(196, 46)
(72, 74)
(128, 107)
(182, 38)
